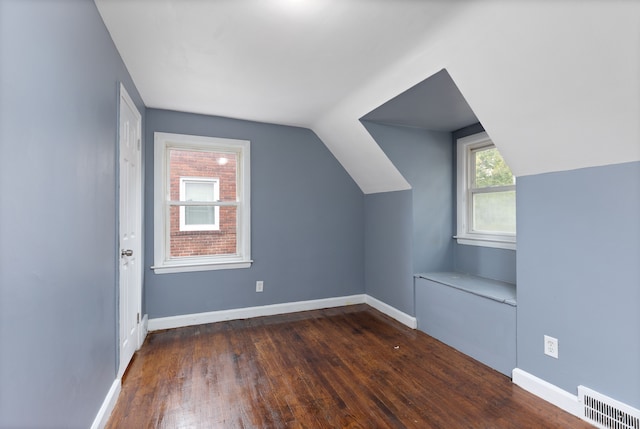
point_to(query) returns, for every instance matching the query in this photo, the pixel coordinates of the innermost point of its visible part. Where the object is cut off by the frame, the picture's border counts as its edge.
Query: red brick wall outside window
(218, 165)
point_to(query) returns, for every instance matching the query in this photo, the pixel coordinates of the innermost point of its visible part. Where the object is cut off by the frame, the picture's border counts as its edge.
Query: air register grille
(607, 413)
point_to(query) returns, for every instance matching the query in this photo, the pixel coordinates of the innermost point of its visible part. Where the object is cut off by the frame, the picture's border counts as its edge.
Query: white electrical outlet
(259, 286)
(551, 346)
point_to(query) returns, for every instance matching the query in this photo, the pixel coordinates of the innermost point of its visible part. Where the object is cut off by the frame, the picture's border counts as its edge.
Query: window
(486, 195)
(199, 218)
(201, 203)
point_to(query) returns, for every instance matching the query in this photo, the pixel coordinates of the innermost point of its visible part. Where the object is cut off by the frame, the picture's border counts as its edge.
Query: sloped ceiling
(279, 61)
(434, 104)
(555, 84)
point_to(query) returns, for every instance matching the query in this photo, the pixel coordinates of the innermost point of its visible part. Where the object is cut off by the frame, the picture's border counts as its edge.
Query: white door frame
(135, 290)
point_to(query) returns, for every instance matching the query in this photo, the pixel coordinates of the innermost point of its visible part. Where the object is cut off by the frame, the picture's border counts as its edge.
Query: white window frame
(465, 234)
(163, 262)
(216, 196)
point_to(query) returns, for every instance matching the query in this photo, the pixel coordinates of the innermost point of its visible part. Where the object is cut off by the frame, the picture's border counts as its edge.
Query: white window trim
(216, 196)
(162, 201)
(464, 234)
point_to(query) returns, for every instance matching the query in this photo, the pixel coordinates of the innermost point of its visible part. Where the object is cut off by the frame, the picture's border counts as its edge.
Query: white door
(130, 251)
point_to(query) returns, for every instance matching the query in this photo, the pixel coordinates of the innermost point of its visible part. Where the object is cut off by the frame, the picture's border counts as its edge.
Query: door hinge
(138, 143)
(138, 318)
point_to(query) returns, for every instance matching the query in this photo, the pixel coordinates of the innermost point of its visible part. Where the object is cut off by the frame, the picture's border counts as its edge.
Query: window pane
(194, 164)
(490, 168)
(495, 212)
(199, 215)
(199, 191)
(202, 208)
(204, 243)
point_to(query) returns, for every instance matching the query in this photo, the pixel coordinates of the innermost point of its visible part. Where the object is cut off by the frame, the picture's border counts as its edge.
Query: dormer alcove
(418, 131)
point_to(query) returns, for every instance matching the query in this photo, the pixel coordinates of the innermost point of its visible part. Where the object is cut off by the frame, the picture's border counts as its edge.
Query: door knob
(127, 252)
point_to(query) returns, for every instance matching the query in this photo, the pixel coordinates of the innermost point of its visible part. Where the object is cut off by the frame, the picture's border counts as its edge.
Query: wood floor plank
(348, 367)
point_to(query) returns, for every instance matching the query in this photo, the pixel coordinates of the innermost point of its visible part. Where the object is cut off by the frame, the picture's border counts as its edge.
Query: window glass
(494, 212)
(199, 190)
(202, 203)
(486, 194)
(490, 168)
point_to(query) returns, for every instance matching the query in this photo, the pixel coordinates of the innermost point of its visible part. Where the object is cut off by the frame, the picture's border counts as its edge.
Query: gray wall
(497, 264)
(579, 278)
(388, 252)
(427, 160)
(59, 76)
(424, 159)
(306, 215)
(407, 232)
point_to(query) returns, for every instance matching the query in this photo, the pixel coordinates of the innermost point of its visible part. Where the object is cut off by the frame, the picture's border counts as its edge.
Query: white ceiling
(278, 61)
(555, 84)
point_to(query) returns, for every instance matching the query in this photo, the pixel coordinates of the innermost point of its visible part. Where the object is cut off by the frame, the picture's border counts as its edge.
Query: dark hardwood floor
(349, 367)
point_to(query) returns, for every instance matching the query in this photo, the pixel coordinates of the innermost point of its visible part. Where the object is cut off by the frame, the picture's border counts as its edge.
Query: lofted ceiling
(278, 61)
(543, 78)
(434, 104)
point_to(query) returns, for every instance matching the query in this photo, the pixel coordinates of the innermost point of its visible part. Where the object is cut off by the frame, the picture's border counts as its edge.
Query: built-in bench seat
(472, 314)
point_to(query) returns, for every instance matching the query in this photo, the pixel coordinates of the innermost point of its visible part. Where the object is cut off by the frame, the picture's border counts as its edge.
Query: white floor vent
(607, 413)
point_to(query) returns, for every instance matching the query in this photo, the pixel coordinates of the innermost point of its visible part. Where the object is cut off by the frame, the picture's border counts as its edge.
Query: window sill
(497, 243)
(207, 266)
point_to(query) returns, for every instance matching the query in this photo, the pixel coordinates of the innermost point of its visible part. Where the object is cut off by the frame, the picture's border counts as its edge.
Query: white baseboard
(393, 312)
(107, 405)
(547, 391)
(249, 312)
(271, 310)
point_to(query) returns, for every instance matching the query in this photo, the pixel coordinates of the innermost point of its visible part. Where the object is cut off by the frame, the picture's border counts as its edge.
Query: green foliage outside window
(491, 170)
